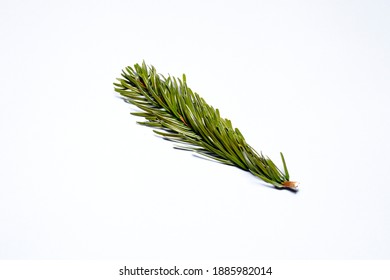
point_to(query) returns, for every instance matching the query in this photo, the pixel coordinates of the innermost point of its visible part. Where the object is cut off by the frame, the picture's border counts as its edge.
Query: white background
(79, 179)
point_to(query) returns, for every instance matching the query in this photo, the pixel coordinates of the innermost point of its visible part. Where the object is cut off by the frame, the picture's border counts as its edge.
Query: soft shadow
(294, 191)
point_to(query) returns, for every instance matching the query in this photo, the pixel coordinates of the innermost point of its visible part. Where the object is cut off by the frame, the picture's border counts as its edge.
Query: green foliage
(178, 114)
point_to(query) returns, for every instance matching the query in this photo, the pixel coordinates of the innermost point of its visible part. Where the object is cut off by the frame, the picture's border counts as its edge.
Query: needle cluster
(178, 114)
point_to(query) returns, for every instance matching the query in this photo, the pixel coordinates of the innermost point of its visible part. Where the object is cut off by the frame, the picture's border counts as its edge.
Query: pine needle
(178, 114)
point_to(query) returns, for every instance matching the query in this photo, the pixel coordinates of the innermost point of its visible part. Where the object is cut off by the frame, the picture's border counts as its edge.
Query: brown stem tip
(290, 184)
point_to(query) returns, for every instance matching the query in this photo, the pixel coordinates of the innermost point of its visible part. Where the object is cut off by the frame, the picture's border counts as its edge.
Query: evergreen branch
(180, 115)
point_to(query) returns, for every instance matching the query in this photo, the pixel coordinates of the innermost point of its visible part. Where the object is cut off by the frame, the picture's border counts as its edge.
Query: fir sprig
(178, 114)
